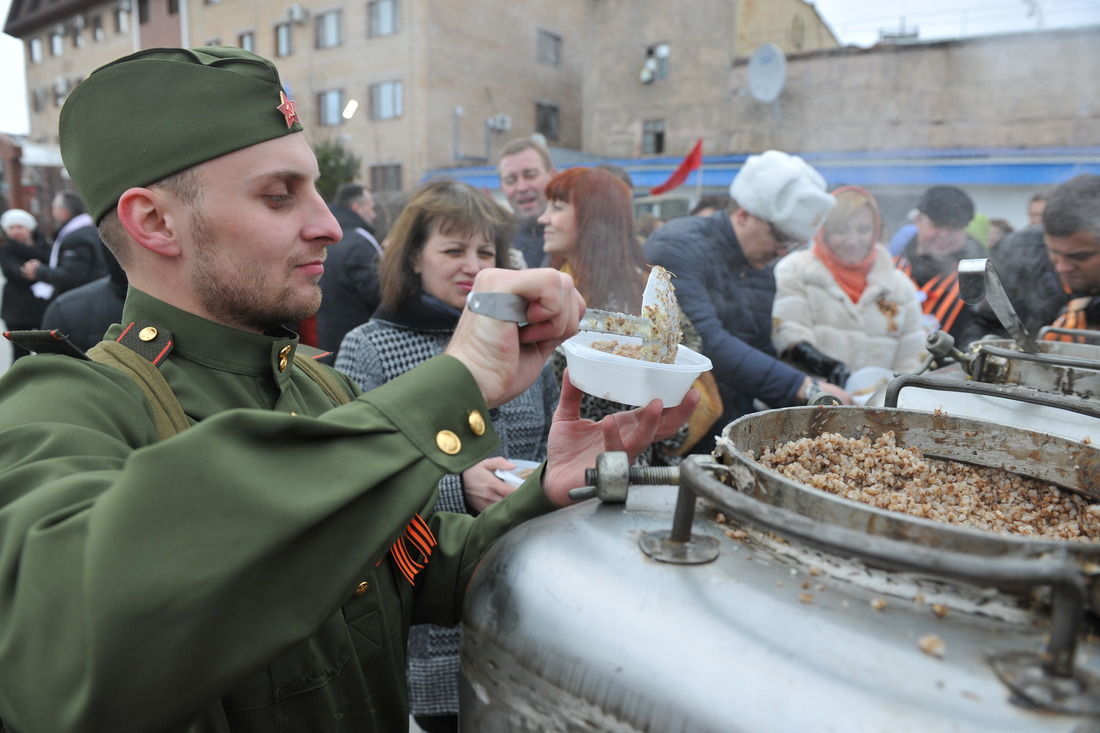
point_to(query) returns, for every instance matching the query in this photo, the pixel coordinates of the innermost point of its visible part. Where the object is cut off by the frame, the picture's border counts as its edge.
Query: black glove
(818, 364)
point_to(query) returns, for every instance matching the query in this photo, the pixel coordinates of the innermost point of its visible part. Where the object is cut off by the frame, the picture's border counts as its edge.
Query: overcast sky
(855, 22)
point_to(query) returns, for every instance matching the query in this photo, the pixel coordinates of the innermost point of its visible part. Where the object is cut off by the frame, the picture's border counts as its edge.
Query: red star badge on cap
(288, 108)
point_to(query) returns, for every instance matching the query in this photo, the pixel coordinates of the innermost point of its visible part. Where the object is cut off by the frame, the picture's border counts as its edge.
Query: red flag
(693, 160)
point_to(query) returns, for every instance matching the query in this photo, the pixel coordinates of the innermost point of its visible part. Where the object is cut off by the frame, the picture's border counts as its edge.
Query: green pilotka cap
(162, 110)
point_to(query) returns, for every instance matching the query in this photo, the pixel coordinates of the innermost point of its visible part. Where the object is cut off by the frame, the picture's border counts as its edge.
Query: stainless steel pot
(745, 602)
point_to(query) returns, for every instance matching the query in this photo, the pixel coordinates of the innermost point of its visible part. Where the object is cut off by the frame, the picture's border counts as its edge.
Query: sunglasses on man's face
(781, 238)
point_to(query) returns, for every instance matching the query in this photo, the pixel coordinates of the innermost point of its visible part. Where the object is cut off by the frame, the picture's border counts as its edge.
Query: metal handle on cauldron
(1061, 360)
(1061, 402)
(1055, 570)
(978, 281)
(1080, 335)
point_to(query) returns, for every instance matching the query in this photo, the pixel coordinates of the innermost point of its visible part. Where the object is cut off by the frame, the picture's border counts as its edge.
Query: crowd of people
(257, 540)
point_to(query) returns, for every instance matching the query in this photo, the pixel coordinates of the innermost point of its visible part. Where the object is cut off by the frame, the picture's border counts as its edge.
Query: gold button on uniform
(147, 334)
(362, 588)
(284, 358)
(477, 423)
(448, 442)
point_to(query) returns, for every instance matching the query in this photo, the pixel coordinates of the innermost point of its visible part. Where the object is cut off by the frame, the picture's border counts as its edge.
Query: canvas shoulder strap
(167, 410)
(138, 352)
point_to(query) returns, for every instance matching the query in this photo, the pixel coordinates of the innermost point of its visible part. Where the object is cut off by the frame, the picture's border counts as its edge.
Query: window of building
(330, 105)
(385, 177)
(653, 136)
(34, 51)
(60, 91)
(38, 99)
(173, 7)
(247, 41)
(57, 43)
(143, 11)
(283, 46)
(549, 48)
(328, 29)
(385, 100)
(79, 39)
(78, 31)
(122, 20)
(98, 34)
(656, 61)
(546, 119)
(382, 18)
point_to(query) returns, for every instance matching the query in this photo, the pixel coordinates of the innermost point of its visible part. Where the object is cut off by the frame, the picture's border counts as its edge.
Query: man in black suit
(77, 255)
(349, 287)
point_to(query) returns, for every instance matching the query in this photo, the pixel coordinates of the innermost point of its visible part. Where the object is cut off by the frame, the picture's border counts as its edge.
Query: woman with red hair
(588, 232)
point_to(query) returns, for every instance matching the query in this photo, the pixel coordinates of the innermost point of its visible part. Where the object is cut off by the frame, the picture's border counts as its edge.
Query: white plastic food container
(867, 383)
(626, 380)
(516, 476)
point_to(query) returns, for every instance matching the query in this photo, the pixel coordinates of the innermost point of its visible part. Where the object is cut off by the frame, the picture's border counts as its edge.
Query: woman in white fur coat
(841, 304)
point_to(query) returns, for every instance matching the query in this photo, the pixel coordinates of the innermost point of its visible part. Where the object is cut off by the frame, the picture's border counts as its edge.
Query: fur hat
(17, 216)
(783, 190)
(947, 206)
(162, 110)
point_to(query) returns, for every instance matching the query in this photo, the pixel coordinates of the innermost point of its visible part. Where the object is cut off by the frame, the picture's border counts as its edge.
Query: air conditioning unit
(124, 6)
(61, 86)
(79, 22)
(297, 14)
(59, 29)
(500, 123)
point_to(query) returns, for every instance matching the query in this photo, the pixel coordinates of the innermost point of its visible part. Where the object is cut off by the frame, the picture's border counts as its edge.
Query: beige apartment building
(413, 86)
(406, 85)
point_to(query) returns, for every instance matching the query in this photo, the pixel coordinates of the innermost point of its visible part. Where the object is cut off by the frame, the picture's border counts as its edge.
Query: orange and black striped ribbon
(419, 538)
(1073, 318)
(942, 299)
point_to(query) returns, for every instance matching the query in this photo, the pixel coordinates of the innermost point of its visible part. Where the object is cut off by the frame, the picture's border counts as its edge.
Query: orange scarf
(851, 278)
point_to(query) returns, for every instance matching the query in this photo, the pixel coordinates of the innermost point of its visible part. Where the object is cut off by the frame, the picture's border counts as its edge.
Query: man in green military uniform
(257, 571)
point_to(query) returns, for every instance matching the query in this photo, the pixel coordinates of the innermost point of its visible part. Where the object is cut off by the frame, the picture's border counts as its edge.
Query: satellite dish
(767, 73)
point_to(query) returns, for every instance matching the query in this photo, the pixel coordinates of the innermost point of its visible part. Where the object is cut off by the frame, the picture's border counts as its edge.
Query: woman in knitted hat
(841, 305)
(19, 308)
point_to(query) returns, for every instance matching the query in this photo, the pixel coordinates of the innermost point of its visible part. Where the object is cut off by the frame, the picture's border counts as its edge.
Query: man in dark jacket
(1071, 223)
(349, 286)
(84, 314)
(931, 258)
(725, 285)
(353, 207)
(1030, 282)
(77, 255)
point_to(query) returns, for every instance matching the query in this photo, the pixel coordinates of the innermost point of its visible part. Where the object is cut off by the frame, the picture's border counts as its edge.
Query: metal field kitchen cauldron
(745, 601)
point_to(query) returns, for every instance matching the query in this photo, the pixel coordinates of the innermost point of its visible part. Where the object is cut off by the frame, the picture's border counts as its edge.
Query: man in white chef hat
(724, 281)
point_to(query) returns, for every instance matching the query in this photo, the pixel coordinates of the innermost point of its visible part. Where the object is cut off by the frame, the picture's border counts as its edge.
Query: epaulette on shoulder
(46, 342)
